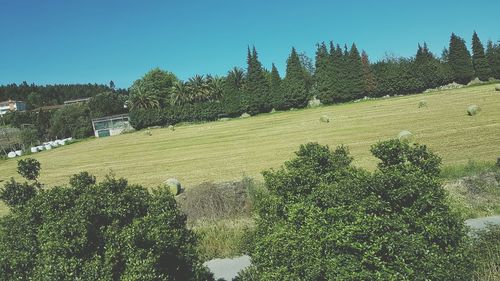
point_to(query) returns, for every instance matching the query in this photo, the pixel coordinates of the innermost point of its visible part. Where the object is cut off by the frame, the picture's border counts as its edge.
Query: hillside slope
(227, 150)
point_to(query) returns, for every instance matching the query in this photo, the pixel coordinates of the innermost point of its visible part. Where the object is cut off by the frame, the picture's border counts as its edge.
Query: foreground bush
(324, 219)
(487, 253)
(105, 231)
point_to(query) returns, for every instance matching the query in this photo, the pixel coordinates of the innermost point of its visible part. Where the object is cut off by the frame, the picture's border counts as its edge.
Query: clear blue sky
(66, 41)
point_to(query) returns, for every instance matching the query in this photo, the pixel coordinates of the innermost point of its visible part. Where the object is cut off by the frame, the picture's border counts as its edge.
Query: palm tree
(199, 88)
(180, 93)
(215, 87)
(236, 77)
(140, 98)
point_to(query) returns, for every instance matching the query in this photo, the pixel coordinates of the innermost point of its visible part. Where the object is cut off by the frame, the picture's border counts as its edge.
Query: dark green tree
(370, 83)
(106, 104)
(277, 98)
(321, 218)
(493, 57)
(71, 121)
(460, 60)
(355, 82)
(428, 70)
(322, 74)
(29, 168)
(295, 84)
(256, 91)
(155, 85)
(233, 92)
(481, 67)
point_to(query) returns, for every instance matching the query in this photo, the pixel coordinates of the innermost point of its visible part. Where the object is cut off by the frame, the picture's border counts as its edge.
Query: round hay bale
(48, 147)
(34, 149)
(19, 152)
(245, 115)
(324, 119)
(11, 154)
(40, 147)
(422, 103)
(171, 127)
(497, 87)
(473, 110)
(405, 135)
(173, 185)
(148, 132)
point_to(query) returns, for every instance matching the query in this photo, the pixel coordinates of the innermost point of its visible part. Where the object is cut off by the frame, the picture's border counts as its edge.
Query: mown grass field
(226, 150)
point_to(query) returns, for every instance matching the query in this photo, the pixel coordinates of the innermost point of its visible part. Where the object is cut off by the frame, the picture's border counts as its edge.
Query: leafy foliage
(29, 168)
(324, 219)
(105, 231)
(107, 104)
(71, 121)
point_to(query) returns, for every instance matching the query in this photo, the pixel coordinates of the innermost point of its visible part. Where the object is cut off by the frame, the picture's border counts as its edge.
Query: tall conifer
(322, 74)
(493, 57)
(256, 97)
(460, 60)
(368, 76)
(481, 68)
(276, 91)
(295, 83)
(354, 69)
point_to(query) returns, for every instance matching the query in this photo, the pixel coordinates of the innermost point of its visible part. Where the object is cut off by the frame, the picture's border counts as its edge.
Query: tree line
(338, 74)
(37, 96)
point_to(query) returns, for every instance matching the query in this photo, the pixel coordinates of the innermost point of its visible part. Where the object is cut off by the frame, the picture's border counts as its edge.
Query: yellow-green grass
(226, 150)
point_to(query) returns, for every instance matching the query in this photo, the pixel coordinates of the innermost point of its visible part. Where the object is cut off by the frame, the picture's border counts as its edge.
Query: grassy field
(226, 150)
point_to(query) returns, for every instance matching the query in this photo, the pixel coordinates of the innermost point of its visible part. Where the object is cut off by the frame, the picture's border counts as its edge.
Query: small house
(11, 105)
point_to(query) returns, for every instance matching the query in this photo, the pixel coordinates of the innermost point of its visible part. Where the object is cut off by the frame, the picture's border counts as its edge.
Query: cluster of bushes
(324, 219)
(94, 231)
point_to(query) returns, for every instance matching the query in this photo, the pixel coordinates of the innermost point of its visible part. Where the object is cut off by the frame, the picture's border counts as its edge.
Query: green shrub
(71, 121)
(105, 231)
(29, 168)
(324, 219)
(198, 112)
(15, 194)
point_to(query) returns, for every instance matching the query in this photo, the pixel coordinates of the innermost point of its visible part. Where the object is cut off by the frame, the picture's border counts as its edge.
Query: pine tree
(256, 97)
(355, 74)
(336, 75)
(295, 83)
(276, 91)
(493, 58)
(321, 76)
(460, 60)
(368, 76)
(479, 61)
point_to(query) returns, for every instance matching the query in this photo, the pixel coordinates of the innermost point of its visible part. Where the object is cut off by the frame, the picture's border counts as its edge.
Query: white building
(10, 105)
(110, 125)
